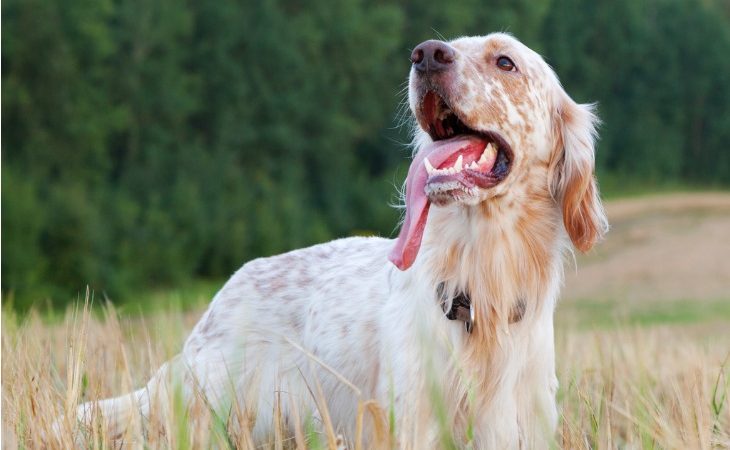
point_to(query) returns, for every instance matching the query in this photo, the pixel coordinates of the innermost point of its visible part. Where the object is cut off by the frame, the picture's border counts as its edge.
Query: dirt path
(660, 248)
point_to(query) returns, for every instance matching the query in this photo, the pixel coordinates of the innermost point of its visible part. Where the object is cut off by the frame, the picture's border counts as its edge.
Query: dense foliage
(148, 142)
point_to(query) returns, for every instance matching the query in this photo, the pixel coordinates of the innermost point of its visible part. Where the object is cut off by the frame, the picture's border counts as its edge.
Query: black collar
(461, 308)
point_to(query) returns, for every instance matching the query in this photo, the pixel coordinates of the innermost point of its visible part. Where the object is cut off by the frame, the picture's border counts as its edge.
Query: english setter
(450, 326)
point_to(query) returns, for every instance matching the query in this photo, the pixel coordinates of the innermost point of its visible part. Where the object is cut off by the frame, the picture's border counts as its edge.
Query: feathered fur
(278, 321)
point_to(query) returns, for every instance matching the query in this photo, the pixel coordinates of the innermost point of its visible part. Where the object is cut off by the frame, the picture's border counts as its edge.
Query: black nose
(432, 56)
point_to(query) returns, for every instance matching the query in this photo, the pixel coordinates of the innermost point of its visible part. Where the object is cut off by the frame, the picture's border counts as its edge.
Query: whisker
(438, 34)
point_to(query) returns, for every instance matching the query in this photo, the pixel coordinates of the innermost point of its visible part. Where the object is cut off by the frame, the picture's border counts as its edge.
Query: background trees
(145, 143)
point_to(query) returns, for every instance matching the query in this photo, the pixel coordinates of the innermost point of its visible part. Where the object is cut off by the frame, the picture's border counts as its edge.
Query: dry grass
(635, 387)
(642, 373)
(660, 249)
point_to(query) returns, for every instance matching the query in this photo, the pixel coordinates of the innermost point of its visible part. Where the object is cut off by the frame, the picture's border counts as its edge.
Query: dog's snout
(432, 56)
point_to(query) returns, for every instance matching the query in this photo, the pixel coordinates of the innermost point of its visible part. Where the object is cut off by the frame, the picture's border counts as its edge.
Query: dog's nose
(432, 56)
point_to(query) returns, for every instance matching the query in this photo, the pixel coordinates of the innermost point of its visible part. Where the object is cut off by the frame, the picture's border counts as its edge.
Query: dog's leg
(539, 415)
(522, 411)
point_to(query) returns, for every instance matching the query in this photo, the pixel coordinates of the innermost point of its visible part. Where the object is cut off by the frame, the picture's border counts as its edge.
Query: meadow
(642, 342)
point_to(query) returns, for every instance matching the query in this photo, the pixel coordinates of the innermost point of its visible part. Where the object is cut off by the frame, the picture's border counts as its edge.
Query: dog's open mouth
(458, 163)
(460, 159)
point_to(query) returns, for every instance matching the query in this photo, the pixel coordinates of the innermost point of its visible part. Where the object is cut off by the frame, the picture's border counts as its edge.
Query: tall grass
(643, 387)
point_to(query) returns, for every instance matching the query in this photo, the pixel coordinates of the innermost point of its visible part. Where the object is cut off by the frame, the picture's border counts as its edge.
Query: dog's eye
(505, 64)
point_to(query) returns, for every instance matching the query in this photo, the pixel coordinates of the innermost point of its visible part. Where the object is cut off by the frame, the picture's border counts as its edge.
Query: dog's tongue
(417, 204)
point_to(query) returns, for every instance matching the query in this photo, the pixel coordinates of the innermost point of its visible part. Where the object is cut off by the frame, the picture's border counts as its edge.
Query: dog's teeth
(429, 167)
(459, 163)
(487, 151)
(474, 165)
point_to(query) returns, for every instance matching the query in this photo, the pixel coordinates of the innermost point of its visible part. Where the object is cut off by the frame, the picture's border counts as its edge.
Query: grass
(194, 294)
(620, 186)
(607, 314)
(642, 353)
(636, 383)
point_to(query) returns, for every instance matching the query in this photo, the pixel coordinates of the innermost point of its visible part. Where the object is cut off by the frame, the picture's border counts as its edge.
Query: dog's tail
(119, 417)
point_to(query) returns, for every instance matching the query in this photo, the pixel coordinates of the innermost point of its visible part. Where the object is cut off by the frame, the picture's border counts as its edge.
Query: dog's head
(492, 117)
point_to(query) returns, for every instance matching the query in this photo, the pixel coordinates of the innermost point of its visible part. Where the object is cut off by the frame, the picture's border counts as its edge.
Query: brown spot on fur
(518, 311)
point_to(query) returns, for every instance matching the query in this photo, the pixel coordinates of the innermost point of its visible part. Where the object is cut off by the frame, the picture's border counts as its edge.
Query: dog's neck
(507, 254)
(500, 252)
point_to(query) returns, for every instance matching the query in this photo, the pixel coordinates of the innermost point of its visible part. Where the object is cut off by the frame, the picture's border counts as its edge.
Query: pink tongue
(409, 239)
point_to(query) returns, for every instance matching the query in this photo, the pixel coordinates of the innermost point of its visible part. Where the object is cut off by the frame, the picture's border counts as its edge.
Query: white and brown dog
(449, 326)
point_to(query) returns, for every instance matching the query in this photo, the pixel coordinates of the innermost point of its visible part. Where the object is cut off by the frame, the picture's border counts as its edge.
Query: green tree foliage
(660, 72)
(146, 142)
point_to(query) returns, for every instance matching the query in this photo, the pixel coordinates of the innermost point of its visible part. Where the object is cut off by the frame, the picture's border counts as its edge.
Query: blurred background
(151, 145)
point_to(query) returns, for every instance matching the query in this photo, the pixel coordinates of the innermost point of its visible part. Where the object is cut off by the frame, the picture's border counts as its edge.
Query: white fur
(341, 311)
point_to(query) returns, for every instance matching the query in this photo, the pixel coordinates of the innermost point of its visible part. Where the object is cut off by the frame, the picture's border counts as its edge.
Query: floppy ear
(572, 178)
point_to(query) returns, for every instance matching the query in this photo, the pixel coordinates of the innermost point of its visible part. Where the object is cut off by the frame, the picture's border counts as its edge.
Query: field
(643, 345)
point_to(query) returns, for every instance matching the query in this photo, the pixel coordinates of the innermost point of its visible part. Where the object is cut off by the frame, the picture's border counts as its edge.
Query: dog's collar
(461, 309)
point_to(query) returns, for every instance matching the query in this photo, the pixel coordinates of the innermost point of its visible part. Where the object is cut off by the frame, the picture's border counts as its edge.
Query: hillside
(665, 254)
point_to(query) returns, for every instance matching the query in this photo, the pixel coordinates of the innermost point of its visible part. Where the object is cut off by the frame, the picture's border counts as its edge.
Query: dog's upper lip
(433, 110)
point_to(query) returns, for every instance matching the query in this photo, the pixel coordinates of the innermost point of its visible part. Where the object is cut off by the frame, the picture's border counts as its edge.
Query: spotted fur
(340, 311)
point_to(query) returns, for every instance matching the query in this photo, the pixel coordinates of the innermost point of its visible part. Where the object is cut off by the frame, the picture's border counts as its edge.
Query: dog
(449, 327)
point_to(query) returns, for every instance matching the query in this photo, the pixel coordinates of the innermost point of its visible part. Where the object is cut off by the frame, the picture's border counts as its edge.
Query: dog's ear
(572, 178)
